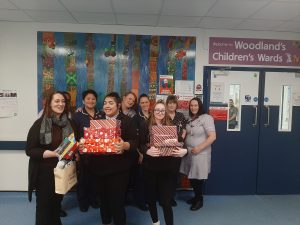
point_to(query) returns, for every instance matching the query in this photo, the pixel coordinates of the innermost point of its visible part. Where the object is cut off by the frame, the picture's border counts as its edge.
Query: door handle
(255, 118)
(268, 116)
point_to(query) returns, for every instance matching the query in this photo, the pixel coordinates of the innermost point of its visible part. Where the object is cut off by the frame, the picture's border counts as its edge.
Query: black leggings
(197, 186)
(159, 186)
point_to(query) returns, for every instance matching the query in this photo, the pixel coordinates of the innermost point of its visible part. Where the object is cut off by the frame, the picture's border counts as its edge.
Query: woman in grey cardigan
(196, 164)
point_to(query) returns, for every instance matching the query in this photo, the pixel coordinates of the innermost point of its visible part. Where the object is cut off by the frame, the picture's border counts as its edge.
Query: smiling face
(144, 104)
(90, 101)
(194, 107)
(57, 104)
(159, 112)
(110, 107)
(129, 100)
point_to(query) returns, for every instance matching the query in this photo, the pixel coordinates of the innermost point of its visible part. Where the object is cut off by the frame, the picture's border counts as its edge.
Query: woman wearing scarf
(45, 135)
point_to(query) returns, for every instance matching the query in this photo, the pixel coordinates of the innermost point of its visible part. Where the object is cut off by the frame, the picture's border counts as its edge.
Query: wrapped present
(165, 139)
(101, 137)
(68, 147)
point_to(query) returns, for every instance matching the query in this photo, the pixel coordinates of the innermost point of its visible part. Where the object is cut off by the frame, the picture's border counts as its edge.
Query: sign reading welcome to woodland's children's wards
(248, 51)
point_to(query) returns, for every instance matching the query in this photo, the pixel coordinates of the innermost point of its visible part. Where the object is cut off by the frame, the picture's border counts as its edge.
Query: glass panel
(285, 113)
(234, 106)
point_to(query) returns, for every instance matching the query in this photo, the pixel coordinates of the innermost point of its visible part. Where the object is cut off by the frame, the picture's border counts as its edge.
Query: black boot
(197, 204)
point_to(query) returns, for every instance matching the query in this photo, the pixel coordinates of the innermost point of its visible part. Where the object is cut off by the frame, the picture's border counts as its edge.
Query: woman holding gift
(196, 165)
(45, 135)
(86, 193)
(159, 170)
(111, 171)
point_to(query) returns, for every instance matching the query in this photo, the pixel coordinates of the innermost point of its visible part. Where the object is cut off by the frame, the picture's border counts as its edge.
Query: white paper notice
(217, 92)
(184, 87)
(8, 103)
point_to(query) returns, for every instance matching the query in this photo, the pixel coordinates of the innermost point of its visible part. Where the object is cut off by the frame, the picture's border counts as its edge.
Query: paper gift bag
(65, 178)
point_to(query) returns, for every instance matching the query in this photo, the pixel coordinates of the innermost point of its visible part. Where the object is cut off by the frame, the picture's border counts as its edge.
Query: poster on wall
(183, 104)
(75, 62)
(8, 103)
(250, 51)
(166, 84)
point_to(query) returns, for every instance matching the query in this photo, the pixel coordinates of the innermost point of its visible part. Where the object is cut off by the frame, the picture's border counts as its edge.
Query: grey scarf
(46, 128)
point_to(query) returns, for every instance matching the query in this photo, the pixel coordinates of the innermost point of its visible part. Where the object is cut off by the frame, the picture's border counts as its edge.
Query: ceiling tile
(94, 18)
(5, 4)
(186, 7)
(219, 23)
(137, 6)
(88, 5)
(289, 26)
(178, 21)
(38, 4)
(14, 15)
(235, 8)
(256, 24)
(51, 16)
(278, 11)
(130, 19)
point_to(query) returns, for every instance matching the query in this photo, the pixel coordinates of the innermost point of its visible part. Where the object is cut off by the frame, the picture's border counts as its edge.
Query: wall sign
(248, 51)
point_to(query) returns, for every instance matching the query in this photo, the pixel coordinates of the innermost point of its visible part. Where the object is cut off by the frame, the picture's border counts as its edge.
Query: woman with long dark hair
(196, 164)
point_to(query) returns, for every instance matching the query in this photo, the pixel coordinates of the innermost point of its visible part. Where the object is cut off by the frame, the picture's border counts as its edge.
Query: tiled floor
(217, 210)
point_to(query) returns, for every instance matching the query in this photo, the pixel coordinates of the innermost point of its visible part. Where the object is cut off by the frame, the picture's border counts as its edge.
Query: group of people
(104, 179)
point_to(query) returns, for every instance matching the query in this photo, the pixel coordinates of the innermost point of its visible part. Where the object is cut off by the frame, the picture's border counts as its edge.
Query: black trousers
(197, 186)
(137, 184)
(86, 192)
(112, 191)
(47, 201)
(159, 186)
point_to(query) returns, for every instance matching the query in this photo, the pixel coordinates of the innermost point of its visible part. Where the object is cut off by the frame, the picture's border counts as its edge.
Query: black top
(180, 122)
(35, 151)
(162, 163)
(82, 119)
(115, 163)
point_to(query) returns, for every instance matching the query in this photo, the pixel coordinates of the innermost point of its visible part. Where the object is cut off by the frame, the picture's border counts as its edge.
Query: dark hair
(166, 120)
(115, 96)
(200, 110)
(67, 95)
(143, 96)
(89, 91)
(172, 99)
(47, 108)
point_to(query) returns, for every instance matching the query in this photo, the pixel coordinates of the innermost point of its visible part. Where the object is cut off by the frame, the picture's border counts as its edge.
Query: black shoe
(190, 201)
(173, 202)
(197, 205)
(62, 213)
(84, 208)
(143, 207)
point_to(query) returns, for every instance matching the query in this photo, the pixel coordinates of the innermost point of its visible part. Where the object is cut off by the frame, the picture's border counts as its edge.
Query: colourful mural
(74, 62)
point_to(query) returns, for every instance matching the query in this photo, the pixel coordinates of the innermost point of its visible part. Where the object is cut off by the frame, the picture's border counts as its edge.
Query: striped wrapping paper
(165, 139)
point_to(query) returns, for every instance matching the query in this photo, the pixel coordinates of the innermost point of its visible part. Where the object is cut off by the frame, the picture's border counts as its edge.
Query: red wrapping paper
(101, 137)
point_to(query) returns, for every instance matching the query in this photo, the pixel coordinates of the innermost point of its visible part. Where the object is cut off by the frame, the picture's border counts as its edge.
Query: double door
(257, 119)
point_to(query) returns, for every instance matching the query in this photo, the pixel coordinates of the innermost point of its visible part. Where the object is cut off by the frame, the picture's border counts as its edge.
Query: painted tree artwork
(75, 62)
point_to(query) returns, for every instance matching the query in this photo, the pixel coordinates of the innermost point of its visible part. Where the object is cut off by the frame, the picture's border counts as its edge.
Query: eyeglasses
(159, 111)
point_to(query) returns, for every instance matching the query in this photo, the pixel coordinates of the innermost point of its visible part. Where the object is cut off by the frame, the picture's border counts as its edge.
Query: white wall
(18, 71)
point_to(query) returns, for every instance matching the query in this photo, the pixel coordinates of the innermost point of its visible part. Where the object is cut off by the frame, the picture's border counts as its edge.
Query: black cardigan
(106, 164)
(35, 151)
